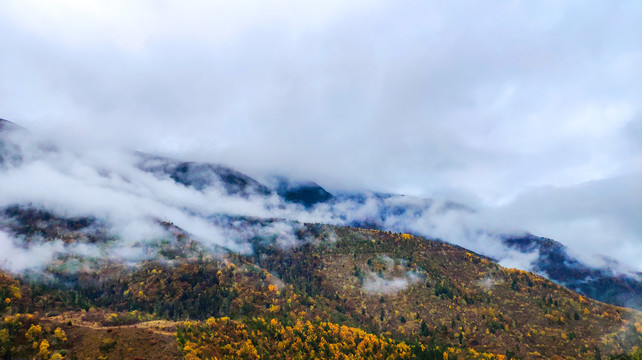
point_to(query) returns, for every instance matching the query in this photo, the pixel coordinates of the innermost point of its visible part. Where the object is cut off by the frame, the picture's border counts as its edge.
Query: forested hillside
(360, 293)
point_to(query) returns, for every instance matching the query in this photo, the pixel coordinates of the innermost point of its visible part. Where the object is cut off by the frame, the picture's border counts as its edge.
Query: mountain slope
(398, 282)
(392, 285)
(153, 252)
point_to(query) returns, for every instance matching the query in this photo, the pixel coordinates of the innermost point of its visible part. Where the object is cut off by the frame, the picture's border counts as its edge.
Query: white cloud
(594, 219)
(374, 283)
(378, 285)
(18, 259)
(484, 101)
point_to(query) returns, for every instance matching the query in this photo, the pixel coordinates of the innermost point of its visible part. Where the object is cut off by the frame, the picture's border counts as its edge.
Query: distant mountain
(201, 176)
(307, 193)
(602, 284)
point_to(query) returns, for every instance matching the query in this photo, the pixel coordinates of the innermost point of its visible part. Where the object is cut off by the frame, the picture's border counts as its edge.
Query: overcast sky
(529, 108)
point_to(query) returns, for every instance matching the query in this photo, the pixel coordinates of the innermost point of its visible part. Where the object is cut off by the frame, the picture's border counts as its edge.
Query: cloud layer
(527, 111)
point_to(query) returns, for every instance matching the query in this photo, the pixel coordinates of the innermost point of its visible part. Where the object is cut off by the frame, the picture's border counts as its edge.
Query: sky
(528, 110)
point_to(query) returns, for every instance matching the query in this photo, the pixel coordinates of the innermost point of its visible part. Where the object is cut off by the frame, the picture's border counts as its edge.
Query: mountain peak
(306, 193)
(8, 125)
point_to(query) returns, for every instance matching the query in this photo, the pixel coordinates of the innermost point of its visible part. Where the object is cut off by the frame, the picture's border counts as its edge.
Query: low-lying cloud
(528, 112)
(18, 259)
(376, 284)
(108, 184)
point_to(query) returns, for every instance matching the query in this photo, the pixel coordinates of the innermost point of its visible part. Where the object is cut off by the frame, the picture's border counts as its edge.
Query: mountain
(603, 284)
(202, 175)
(407, 296)
(140, 256)
(306, 193)
(388, 212)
